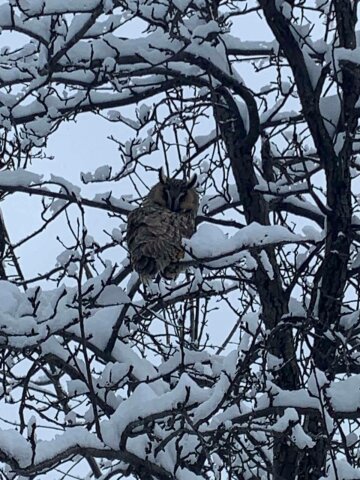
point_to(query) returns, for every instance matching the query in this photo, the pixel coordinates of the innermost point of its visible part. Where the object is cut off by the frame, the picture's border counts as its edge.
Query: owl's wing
(187, 225)
(154, 239)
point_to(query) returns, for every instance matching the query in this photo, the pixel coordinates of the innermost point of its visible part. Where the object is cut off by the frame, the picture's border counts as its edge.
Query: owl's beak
(175, 207)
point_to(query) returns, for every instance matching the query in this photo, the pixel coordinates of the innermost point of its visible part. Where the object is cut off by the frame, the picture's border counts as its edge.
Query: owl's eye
(181, 196)
(178, 201)
(167, 196)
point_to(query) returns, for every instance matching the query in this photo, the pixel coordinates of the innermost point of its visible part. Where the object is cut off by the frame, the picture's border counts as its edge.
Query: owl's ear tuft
(162, 177)
(192, 182)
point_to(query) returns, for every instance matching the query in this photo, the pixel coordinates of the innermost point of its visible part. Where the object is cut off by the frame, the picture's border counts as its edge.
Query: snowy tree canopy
(247, 366)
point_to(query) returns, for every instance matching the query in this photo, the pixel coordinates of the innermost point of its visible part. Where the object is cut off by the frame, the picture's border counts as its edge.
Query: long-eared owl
(156, 228)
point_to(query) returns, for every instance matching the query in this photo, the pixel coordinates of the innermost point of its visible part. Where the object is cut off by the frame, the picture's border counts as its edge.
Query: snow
(144, 402)
(279, 188)
(143, 113)
(314, 70)
(107, 198)
(213, 58)
(209, 203)
(99, 326)
(67, 186)
(52, 346)
(280, 116)
(67, 256)
(351, 439)
(36, 7)
(344, 395)
(339, 142)
(113, 295)
(311, 232)
(76, 387)
(74, 438)
(330, 109)
(316, 383)
(181, 4)
(266, 264)
(211, 404)
(16, 447)
(323, 5)
(287, 398)
(272, 111)
(117, 235)
(341, 470)
(349, 320)
(203, 140)
(15, 316)
(19, 177)
(290, 416)
(70, 418)
(296, 309)
(186, 358)
(300, 438)
(206, 240)
(235, 43)
(10, 298)
(101, 174)
(337, 55)
(113, 374)
(210, 242)
(201, 32)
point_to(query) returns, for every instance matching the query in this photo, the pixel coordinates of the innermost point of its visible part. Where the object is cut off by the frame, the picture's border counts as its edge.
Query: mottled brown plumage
(156, 228)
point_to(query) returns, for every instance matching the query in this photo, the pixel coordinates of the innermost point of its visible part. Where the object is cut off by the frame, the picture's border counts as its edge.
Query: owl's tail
(146, 266)
(172, 271)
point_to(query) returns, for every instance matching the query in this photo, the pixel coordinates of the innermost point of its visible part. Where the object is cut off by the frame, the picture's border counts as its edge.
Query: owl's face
(176, 195)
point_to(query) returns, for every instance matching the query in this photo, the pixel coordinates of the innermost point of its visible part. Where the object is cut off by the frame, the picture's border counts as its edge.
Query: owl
(155, 229)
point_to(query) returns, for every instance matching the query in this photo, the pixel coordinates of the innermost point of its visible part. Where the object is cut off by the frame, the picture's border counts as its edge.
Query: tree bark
(272, 297)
